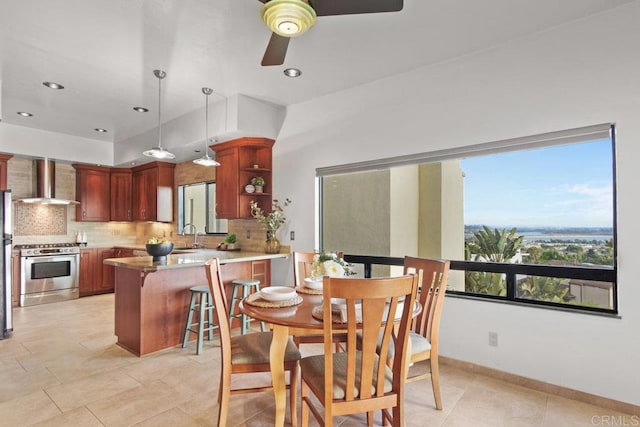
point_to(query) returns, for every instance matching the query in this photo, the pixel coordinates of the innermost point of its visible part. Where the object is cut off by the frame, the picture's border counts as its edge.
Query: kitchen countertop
(190, 258)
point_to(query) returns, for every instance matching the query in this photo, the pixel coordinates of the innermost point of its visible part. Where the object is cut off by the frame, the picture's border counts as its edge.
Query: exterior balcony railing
(576, 278)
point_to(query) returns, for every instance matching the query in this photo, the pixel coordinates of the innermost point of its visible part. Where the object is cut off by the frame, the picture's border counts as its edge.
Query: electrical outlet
(293, 235)
(493, 339)
(248, 234)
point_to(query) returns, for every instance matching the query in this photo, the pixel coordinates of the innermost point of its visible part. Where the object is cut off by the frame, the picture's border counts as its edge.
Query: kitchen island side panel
(128, 284)
(151, 307)
(164, 306)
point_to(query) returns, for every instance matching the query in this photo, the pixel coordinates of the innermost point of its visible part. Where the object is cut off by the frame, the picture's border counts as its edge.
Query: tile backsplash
(37, 220)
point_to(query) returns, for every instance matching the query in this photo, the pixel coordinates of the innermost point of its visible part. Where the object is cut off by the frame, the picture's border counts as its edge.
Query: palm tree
(492, 246)
(495, 245)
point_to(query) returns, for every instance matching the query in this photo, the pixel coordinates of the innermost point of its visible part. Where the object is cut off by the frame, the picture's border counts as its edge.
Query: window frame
(605, 274)
(182, 208)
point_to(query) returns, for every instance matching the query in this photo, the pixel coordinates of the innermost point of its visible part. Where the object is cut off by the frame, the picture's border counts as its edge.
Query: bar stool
(202, 302)
(246, 285)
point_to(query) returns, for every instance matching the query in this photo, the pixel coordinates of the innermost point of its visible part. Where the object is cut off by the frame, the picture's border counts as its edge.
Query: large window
(530, 220)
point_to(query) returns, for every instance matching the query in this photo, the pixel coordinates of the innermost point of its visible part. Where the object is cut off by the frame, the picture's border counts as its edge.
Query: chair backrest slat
(217, 290)
(371, 307)
(302, 266)
(433, 275)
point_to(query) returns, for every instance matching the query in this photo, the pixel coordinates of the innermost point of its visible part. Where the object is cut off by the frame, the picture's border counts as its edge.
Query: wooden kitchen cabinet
(87, 273)
(95, 277)
(92, 191)
(4, 158)
(240, 160)
(261, 270)
(121, 208)
(122, 252)
(153, 192)
(106, 282)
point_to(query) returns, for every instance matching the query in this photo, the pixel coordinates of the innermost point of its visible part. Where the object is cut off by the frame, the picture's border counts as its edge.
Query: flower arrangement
(272, 221)
(329, 264)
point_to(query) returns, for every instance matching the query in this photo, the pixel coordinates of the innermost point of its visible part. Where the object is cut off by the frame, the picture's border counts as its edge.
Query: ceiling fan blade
(276, 50)
(351, 7)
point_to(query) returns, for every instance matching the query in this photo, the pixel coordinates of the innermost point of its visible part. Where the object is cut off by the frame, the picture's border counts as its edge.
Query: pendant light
(159, 152)
(206, 160)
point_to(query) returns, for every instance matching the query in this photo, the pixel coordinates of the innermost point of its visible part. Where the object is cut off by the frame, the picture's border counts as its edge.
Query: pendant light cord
(159, 116)
(206, 136)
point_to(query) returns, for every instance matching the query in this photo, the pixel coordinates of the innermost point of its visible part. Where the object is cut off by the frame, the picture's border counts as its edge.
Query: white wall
(578, 74)
(31, 142)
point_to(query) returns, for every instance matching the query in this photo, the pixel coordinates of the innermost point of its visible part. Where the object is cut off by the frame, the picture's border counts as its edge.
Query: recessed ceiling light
(24, 114)
(53, 85)
(292, 72)
(100, 130)
(140, 109)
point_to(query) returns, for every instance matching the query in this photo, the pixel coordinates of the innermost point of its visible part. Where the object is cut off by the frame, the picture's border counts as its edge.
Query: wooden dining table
(297, 320)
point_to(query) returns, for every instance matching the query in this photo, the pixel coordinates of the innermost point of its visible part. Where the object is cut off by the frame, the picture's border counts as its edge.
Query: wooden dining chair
(432, 277)
(245, 353)
(302, 262)
(302, 266)
(357, 381)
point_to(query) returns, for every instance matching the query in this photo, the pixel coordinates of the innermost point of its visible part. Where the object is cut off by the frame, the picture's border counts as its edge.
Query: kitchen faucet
(195, 233)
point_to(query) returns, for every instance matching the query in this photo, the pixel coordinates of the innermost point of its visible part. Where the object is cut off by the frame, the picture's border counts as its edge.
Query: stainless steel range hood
(44, 181)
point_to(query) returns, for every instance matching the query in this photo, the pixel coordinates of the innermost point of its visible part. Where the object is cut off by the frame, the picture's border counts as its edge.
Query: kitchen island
(152, 298)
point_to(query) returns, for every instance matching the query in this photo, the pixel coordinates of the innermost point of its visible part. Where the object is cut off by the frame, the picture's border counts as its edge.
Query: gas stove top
(42, 249)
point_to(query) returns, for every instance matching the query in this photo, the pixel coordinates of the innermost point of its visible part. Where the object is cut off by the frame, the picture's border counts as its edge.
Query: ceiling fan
(290, 18)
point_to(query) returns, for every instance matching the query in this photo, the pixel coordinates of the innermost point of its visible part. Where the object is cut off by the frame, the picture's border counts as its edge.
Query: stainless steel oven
(49, 273)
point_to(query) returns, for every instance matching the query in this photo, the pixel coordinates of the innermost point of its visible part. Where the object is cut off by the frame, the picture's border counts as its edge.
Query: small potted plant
(258, 182)
(231, 241)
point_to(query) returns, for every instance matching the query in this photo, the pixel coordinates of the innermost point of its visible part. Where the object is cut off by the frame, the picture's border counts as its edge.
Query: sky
(562, 186)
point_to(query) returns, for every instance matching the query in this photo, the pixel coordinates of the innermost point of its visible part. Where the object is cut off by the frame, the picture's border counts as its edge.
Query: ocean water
(539, 236)
(533, 236)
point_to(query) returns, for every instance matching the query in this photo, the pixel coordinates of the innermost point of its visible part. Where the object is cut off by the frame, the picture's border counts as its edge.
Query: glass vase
(272, 245)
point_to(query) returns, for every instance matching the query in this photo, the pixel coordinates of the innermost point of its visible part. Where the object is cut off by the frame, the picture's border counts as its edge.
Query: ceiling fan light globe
(288, 18)
(288, 27)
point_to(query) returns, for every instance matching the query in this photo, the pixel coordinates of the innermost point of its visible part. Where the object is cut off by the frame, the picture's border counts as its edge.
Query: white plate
(277, 293)
(311, 283)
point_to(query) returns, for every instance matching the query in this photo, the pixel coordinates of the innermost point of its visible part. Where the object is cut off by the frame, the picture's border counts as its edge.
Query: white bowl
(277, 293)
(311, 283)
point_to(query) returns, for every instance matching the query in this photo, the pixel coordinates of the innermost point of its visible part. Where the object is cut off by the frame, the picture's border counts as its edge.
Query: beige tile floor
(62, 368)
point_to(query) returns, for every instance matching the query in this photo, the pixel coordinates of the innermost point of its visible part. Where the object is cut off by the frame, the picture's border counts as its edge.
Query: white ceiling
(104, 51)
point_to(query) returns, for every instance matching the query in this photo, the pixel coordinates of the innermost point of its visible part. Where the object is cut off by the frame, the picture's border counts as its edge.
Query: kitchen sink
(185, 249)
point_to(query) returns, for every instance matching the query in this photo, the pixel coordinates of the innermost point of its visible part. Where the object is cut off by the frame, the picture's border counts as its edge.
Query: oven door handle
(53, 258)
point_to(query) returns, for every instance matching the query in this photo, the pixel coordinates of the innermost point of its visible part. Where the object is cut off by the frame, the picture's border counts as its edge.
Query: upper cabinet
(92, 191)
(4, 158)
(121, 189)
(241, 160)
(153, 192)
